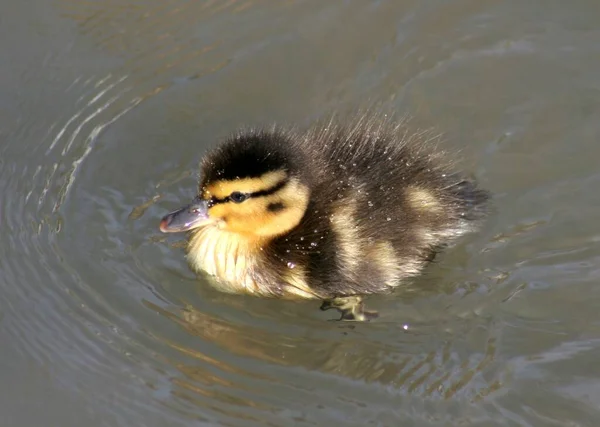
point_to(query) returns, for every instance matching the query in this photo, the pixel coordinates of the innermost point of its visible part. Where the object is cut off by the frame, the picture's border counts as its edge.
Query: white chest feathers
(225, 256)
(235, 264)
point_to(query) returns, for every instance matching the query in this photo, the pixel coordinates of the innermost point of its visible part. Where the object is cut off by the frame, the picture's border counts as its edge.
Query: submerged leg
(352, 308)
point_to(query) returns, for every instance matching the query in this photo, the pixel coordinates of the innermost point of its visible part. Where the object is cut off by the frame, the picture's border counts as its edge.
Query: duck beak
(187, 218)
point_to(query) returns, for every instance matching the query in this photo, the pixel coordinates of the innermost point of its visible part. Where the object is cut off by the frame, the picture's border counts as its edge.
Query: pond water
(108, 106)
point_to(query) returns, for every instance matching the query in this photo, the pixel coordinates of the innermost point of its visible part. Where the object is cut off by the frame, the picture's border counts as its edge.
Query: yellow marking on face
(423, 200)
(253, 218)
(223, 188)
(343, 222)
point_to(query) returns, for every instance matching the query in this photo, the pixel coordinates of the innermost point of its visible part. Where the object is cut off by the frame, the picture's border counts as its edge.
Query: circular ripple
(108, 303)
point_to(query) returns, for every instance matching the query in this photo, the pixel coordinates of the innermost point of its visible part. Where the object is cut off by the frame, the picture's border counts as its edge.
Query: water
(108, 106)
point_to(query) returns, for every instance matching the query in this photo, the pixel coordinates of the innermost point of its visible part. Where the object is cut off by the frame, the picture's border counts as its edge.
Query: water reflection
(348, 353)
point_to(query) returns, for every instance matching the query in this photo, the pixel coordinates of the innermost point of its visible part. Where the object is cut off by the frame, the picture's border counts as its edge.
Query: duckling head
(254, 185)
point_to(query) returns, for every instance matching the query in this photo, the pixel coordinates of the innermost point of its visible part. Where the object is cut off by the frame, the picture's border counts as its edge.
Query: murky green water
(106, 109)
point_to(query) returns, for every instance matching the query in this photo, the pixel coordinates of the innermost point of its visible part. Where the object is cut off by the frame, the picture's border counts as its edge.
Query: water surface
(108, 106)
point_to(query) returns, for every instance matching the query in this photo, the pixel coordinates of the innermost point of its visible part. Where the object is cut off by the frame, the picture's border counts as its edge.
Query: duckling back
(384, 200)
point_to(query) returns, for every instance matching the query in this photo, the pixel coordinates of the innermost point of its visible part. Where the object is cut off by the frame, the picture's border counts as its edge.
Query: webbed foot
(352, 308)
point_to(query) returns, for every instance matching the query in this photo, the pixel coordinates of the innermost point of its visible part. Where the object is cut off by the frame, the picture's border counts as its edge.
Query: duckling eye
(237, 197)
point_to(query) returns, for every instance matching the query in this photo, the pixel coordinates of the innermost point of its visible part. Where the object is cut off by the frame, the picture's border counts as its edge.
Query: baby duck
(333, 213)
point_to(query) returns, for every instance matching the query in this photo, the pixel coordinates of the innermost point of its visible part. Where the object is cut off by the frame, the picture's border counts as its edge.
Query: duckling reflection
(439, 371)
(333, 213)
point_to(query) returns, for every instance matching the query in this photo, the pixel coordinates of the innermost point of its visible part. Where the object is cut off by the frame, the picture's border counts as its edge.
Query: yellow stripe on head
(263, 216)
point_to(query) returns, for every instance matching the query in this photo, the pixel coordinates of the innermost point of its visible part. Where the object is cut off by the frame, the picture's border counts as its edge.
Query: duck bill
(187, 218)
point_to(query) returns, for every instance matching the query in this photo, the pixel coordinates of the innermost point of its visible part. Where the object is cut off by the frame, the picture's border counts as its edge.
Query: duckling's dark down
(333, 213)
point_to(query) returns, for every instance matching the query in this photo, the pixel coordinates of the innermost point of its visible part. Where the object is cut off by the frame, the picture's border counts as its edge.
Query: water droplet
(313, 244)
(287, 250)
(388, 218)
(301, 238)
(370, 203)
(290, 264)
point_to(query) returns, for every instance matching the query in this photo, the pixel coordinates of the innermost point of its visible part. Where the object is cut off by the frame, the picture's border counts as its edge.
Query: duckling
(334, 213)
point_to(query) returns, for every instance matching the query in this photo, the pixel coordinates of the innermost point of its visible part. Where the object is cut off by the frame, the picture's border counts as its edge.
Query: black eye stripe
(269, 191)
(262, 193)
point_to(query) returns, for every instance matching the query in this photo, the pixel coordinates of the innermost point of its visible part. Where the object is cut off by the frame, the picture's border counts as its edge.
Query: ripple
(79, 262)
(370, 372)
(54, 315)
(94, 294)
(157, 38)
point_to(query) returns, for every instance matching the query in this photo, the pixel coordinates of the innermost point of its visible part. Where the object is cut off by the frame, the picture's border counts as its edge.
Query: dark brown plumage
(335, 213)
